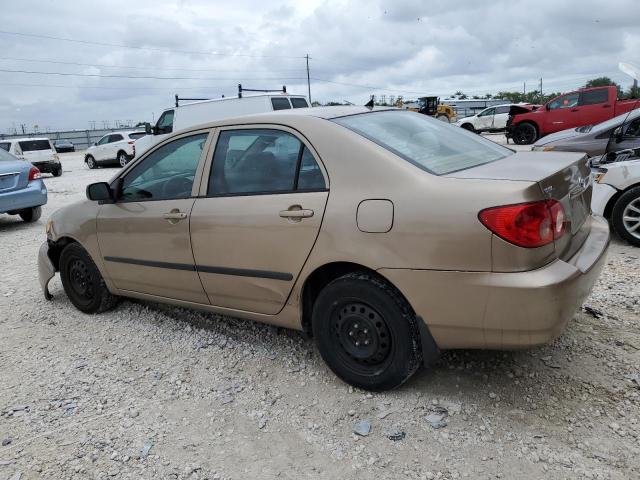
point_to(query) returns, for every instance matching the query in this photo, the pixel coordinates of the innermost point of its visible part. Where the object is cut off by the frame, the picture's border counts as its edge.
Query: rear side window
(136, 135)
(262, 161)
(503, 109)
(594, 97)
(299, 103)
(115, 138)
(427, 143)
(280, 103)
(5, 146)
(34, 145)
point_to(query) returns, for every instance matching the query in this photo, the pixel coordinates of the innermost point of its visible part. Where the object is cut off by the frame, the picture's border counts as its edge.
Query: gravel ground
(151, 391)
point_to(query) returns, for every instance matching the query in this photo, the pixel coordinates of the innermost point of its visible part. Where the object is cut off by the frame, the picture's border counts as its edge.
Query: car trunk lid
(564, 177)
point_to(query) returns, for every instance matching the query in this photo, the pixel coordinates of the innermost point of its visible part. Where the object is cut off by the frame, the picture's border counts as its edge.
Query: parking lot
(153, 391)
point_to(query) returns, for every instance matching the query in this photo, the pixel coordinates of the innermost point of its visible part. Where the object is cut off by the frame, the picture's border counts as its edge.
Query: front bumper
(504, 310)
(46, 270)
(602, 193)
(33, 195)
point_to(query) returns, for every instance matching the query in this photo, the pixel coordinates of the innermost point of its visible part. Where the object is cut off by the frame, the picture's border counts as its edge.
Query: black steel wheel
(82, 281)
(91, 162)
(525, 133)
(30, 215)
(366, 332)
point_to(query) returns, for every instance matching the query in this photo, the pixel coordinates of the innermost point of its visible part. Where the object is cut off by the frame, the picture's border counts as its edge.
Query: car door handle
(606, 106)
(174, 216)
(575, 109)
(296, 213)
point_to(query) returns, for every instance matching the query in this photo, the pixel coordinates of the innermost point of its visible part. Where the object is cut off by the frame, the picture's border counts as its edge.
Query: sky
(200, 48)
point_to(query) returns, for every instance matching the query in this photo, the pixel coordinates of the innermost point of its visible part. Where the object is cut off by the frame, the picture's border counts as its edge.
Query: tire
(91, 162)
(468, 126)
(525, 134)
(82, 281)
(30, 215)
(625, 216)
(366, 332)
(123, 158)
(443, 118)
(57, 171)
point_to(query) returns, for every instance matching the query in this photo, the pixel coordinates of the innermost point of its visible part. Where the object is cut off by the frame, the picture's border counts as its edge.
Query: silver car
(619, 133)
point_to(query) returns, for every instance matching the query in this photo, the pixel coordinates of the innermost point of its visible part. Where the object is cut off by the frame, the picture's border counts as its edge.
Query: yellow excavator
(431, 106)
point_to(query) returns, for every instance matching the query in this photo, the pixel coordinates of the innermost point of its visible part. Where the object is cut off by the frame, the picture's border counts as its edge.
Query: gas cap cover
(375, 216)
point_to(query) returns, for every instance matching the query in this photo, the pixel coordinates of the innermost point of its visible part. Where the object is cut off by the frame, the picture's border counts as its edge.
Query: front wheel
(82, 281)
(468, 126)
(91, 162)
(31, 215)
(625, 216)
(366, 332)
(525, 134)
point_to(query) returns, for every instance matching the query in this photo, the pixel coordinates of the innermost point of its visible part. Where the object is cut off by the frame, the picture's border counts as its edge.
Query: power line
(151, 49)
(128, 67)
(204, 87)
(144, 77)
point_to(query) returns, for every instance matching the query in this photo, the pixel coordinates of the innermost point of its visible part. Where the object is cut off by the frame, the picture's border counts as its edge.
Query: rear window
(5, 156)
(429, 144)
(280, 103)
(5, 146)
(594, 97)
(34, 145)
(136, 135)
(299, 103)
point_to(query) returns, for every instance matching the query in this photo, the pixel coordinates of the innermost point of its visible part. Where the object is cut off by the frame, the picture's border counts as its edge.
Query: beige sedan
(385, 234)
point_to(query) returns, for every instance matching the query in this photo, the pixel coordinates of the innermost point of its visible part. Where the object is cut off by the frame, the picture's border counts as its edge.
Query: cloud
(404, 47)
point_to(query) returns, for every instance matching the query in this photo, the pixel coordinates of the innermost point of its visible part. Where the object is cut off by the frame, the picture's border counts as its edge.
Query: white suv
(114, 148)
(38, 151)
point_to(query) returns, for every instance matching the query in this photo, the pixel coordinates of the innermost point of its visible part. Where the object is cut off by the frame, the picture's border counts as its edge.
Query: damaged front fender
(46, 270)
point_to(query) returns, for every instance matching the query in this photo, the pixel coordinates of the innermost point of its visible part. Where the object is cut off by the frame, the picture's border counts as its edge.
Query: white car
(492, 119)
(187, 115)
(114, 148)
(616, 192)
(38, 151)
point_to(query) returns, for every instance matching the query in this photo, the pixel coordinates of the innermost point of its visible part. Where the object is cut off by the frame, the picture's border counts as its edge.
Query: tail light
(528, 225)
(131, 142)
(34, 174)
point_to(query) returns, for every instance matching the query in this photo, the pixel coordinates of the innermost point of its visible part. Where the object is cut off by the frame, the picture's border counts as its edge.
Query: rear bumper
(504, 310)
(33, 195)
(47, 167)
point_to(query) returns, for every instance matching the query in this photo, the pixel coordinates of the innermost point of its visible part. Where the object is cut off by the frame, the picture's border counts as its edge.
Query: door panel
(146, 253)
(248, 256)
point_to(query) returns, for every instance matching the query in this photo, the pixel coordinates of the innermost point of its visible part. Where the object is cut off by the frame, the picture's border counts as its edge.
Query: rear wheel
(57, 171)
(91, 162)
(82, 281)
(31, 214)
(625, 216)
(525, 134)
(123, 159)
(366, 332)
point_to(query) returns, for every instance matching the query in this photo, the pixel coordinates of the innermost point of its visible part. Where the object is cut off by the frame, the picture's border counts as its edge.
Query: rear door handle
(606, 106)
(296, 213)
(174, 216)
(575, 109)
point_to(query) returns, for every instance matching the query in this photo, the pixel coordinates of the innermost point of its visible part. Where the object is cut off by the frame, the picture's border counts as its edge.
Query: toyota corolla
(384, 234)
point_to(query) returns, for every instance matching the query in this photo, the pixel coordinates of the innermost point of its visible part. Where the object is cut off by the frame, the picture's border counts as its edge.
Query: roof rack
(240, 90)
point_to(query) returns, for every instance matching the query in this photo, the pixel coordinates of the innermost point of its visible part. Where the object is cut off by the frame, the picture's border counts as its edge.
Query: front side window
(565, 101)
(487, 112)
(103, 140)
(167, 173)
(34, 145)
(299, 103)
(262, 161)
(165, 123)
(280, 103)
(425, 142)
(593, 97)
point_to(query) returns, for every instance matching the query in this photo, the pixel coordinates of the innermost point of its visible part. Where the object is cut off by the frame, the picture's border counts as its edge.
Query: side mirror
(617, 134)
(148, 129)
(99, 192)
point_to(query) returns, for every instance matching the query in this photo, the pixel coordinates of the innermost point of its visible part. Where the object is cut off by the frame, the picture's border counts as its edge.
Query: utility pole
(540, 89)
(308, 79)
(524, 88)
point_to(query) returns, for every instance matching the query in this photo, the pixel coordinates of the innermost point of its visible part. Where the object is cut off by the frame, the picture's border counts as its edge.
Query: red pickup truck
(587, 106)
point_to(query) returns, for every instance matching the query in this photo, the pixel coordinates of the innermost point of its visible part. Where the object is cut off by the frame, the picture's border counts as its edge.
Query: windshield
(34, 145)
(615, 121)
(429, 144)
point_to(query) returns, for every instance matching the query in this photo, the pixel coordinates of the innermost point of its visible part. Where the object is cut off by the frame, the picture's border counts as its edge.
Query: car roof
(24, 139)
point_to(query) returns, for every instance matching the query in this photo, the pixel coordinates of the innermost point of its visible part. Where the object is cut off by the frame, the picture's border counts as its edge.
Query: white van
(38, 151)
(183, 116)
